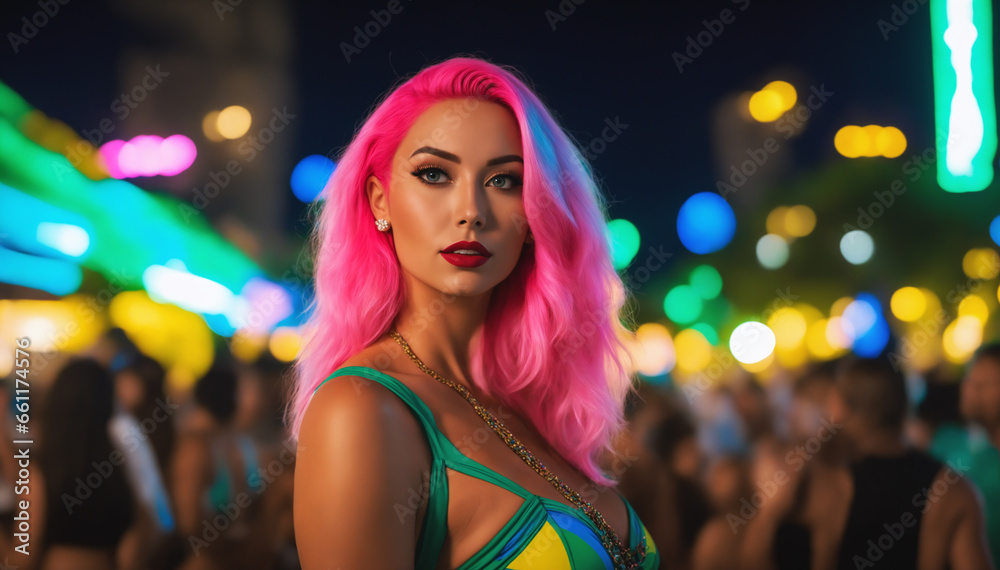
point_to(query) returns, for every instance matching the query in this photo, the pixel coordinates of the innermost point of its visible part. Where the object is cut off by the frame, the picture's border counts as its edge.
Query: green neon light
(964, 103)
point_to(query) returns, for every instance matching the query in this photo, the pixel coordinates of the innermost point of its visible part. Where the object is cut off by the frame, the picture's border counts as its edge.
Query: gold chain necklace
(623, 558)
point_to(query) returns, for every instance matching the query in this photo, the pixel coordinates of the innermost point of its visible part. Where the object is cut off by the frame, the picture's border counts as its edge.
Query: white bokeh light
(772, 251)
(857, 246)
(751, 342)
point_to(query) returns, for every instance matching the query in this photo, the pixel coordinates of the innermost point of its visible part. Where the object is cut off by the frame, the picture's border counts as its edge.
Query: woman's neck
(441, 328)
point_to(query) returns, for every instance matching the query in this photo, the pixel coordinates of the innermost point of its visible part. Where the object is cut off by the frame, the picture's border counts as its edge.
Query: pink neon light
(149, 155)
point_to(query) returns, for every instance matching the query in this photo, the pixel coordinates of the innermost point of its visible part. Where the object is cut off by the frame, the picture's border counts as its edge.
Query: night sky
(605, 60)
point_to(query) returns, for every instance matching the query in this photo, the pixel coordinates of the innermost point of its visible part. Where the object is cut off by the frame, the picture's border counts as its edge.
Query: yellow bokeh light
(285, 343)
(908, 304)
(848, 141)
(868, 145)
(784, 90)
(792, 357)
(208, 126)
(789, 326)
(961, 338)
(800, 221)
(974, 306)
(853, 141)
(178, 339)
(694, 352)
(248, 347)
(766, 106)
(817, 342)
(653, 352)
(233, 122)
(839, 333)
(981, 263)
(760, 365)
(890, 142)
(776, 221)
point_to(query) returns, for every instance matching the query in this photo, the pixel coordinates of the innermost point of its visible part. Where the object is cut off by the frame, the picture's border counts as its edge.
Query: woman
(87, 503)
(464, 287)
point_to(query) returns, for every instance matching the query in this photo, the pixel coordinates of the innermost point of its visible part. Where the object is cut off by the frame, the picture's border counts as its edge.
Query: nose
(471, 206)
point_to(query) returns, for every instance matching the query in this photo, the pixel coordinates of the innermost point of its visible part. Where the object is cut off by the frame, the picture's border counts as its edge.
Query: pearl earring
(382, 225)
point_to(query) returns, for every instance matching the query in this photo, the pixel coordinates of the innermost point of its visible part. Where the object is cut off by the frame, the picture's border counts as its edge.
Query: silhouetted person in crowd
(980, 404)
(143, 428)
(897, 507)
(216, 479)
(80, 498)
(662, 459)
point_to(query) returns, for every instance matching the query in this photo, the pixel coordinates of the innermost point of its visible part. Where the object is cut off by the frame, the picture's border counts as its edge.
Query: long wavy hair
(553, 346)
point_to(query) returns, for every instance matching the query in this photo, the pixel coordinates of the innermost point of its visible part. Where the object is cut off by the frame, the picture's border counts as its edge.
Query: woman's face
(457, 176)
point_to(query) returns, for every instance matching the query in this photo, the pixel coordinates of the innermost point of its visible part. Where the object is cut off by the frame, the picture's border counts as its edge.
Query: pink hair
(552, 346)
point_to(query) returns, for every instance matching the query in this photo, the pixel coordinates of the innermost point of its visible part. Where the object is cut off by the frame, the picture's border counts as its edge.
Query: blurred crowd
(127, 472)
(850, 464)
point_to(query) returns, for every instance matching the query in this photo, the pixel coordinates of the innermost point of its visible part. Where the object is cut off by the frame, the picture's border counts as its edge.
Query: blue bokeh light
(706, 223)
(310, 176)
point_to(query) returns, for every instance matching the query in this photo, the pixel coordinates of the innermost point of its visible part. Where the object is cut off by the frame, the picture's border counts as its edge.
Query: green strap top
(542, 534)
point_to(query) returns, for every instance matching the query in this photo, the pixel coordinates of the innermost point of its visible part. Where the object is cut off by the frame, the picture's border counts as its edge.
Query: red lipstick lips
(466, 254)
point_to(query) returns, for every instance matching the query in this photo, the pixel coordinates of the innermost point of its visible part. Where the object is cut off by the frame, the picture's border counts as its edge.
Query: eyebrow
(454, 158)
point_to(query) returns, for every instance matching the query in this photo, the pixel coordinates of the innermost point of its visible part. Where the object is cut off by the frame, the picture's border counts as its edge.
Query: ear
(377, 198)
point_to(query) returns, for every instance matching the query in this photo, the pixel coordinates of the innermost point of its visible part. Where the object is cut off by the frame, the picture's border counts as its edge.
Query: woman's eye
(429, 175)
(505, 181)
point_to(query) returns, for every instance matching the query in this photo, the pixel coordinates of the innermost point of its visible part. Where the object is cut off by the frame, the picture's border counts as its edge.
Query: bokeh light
(751, 342)
(853, 141)
(908, 304)
(772, 251)
(233, 122)
(981, 263)
(974, 306)
(857, 246)
(310, 176)
(706, 223)
(766, 106)
(682, 304)
(655, 354)
(706, 281)
(995, 230)
(694, 352)
(789, 327)
(623, 237)
(800, 221)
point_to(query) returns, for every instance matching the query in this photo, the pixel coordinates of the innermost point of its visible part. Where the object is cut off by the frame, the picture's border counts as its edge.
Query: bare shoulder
(950, 499)
(361, 455)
